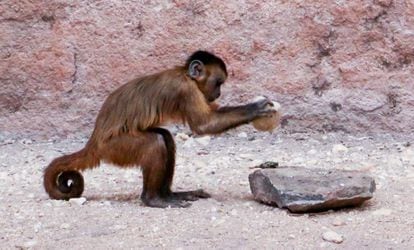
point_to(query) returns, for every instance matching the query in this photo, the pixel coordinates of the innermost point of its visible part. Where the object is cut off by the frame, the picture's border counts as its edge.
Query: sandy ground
(113, 216)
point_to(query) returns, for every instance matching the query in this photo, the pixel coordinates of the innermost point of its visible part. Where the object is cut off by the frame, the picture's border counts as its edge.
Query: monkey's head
(208, 71)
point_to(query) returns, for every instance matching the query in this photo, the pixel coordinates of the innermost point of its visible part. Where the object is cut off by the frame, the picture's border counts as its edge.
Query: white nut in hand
(268, 123)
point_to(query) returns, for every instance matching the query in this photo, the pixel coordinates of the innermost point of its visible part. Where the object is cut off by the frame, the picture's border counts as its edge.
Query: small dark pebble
(268, 164)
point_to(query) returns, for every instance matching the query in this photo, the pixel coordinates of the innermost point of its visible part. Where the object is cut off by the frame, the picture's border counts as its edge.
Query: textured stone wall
(333, 65)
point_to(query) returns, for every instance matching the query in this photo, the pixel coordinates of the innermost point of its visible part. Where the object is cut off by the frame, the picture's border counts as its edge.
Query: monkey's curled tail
(62, 178)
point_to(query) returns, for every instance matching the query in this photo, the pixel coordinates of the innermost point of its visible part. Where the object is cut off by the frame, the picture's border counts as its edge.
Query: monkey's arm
(225, 118)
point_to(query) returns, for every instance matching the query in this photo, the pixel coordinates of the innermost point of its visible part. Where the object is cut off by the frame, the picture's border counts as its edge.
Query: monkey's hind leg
(148, 150)
(158, 175)
(170, 166)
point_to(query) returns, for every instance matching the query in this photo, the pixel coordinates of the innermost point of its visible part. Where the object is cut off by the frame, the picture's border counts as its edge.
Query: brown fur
(126, 132)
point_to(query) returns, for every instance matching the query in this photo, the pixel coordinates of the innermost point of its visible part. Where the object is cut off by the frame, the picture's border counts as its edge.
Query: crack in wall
(75, 65)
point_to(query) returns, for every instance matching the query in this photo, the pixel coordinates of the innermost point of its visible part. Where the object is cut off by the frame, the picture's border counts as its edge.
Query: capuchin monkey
(127, 130)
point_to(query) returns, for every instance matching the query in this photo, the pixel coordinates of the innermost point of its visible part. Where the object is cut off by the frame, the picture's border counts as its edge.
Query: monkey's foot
(190, 195)
(164, 203)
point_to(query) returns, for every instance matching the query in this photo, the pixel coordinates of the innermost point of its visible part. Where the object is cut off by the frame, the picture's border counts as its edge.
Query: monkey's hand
(263, 107)
(268, 114)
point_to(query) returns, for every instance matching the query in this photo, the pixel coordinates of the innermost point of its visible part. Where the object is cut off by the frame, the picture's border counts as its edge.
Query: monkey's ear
(196, 70)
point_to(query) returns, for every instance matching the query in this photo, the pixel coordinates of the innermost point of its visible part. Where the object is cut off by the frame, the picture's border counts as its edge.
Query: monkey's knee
(64, 185)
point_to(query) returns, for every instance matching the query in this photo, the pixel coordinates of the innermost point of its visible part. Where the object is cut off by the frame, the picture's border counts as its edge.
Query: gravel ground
(113, 215)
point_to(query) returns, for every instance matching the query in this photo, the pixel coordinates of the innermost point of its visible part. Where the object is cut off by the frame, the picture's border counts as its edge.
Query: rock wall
(333, 65)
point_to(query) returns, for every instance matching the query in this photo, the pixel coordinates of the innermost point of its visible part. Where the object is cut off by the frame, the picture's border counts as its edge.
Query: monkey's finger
(262, 103)
(267, 113)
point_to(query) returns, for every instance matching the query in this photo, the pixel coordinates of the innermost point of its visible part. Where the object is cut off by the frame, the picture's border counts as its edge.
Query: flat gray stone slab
(310, 190)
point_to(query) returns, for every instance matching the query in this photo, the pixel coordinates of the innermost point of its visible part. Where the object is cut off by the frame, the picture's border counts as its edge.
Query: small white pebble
(338, 222)
(205, 140)
(339, 148)
(332, 237)
(77, 201)
(65, 226)
(242, 135)
(182, 136)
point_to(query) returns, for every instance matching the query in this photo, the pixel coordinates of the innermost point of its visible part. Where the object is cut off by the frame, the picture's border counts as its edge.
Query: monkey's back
(140, 104)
